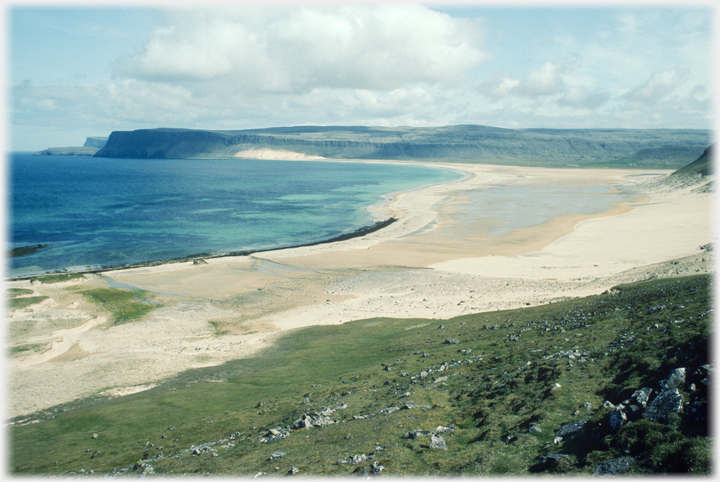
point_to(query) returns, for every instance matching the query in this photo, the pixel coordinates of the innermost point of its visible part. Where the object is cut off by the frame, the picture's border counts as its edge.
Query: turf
(535, 367)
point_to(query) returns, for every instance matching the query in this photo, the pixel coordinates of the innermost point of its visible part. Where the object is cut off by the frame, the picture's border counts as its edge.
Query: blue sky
(75, 72)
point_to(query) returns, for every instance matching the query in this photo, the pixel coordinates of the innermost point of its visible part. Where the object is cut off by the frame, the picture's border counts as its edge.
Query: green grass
(15, 292)
(20, 303)
(485, 400)
(124, 305)
(58, 278)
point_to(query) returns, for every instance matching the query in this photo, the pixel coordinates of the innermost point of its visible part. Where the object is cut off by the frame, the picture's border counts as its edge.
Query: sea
(92, 213)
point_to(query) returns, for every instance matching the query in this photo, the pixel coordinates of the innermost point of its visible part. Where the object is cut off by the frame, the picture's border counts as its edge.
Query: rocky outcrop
(95, 142)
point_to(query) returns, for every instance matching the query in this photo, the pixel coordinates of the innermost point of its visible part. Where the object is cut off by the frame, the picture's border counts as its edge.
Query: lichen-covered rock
(666, 402)
(642, 396)
(437, 442)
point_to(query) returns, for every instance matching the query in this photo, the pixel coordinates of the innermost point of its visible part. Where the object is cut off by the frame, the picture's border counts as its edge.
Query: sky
(79, 71)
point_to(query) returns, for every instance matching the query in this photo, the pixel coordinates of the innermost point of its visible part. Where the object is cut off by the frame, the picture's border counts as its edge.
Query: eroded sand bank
(431, 263)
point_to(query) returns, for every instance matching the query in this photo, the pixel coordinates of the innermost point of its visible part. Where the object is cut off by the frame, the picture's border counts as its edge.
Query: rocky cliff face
(95, 142)
(667, 148)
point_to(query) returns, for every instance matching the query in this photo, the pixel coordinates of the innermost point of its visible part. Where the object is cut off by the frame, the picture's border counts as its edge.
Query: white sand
(428, 264)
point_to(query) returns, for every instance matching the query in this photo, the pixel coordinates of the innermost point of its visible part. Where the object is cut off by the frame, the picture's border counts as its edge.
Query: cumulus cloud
(296, 50)
(544, 81)
(660, 84)
(581, 98)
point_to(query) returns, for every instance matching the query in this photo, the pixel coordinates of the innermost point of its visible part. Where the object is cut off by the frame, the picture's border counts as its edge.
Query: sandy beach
(433, 262)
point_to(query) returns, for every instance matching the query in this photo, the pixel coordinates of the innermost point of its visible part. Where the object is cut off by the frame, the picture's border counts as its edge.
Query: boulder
(666, 402)
(616, 419)
(614, 467)
(452, 341)
(310, 420)
(416, 434)
(437, 442)
(642, 396)
(570, 428)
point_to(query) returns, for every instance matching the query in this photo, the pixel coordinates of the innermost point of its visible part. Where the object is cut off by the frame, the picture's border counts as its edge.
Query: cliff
(470, 143)
(95, 142)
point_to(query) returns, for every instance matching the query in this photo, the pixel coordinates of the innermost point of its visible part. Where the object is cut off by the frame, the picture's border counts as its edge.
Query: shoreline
(374, 209)
(428, 263)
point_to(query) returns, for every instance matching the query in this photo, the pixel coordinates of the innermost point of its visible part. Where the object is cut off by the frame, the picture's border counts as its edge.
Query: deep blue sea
(95, 212)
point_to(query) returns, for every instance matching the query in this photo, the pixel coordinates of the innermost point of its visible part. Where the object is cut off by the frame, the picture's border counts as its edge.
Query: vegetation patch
(15, 292)
(123, 305)
(20, 303)
(58, 278)
(529, 391)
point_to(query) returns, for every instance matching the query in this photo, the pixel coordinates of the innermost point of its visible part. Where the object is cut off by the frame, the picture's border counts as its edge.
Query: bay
(98, 212)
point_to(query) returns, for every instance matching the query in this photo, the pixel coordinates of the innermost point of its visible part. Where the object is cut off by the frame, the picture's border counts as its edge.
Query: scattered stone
(508, 439)
(556, 387)
(259, 474)
(416, 434)
(406, 394)
(535, 429)
(376, 468)
(608, 404)
(310, 420)
(277, 455)
(293, 471)
(441, 429)
(452, 341)
(389, 410)
(437, 442)
(94, 435)
(551, 457)
(356, 459)
(666, 402)
(557, 440)
(614, 467)
(441, 327)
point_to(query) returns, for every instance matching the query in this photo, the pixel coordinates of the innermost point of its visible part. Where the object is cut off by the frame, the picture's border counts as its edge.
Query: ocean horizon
(95, 213)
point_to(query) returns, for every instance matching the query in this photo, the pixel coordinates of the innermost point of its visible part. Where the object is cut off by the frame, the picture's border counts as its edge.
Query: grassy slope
(496, 395)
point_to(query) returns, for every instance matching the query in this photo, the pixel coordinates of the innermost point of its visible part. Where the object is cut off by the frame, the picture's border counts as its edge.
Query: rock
(642, 396)
(277, 455)
(535, 429)
(437, 442)
(616, 419)
(441, 429)
(389, 410)
(376, 468)
(608, 404)
(441, 327)
(406, 394)
(508, 439)
(356, 459)
(614, 467)
(293, 471)
(676, 379)
(416, 434)
(452, 341)
(666, 402)
(556, 387)
(310, 420)
(570, 428)
(94, 435)
(557, 440)
(587, 406)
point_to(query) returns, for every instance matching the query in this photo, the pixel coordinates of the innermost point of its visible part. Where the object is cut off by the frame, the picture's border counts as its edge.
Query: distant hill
(462, 143)
(702, 165)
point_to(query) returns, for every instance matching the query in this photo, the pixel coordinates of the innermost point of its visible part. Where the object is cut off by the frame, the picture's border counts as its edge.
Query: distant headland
(664, 148)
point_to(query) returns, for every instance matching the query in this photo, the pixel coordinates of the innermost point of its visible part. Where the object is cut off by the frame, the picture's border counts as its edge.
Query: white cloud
(296, 50)
(544, 81)
(660, 84)
(581, 98)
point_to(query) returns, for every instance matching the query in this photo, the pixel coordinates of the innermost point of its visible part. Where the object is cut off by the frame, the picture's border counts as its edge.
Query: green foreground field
(496, 398)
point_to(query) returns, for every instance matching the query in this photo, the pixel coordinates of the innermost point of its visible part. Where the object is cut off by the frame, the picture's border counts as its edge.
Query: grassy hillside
(701, 166)
(464, 143)
(496, 389)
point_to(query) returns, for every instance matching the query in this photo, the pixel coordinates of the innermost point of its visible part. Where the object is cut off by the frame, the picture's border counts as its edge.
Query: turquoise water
(95, 212)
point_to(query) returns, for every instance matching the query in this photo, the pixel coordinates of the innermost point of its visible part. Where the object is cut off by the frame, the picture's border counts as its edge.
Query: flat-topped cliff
(470, 143)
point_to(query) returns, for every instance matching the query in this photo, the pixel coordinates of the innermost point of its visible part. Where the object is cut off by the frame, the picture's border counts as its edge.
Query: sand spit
(275, 154)
(431, 263)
